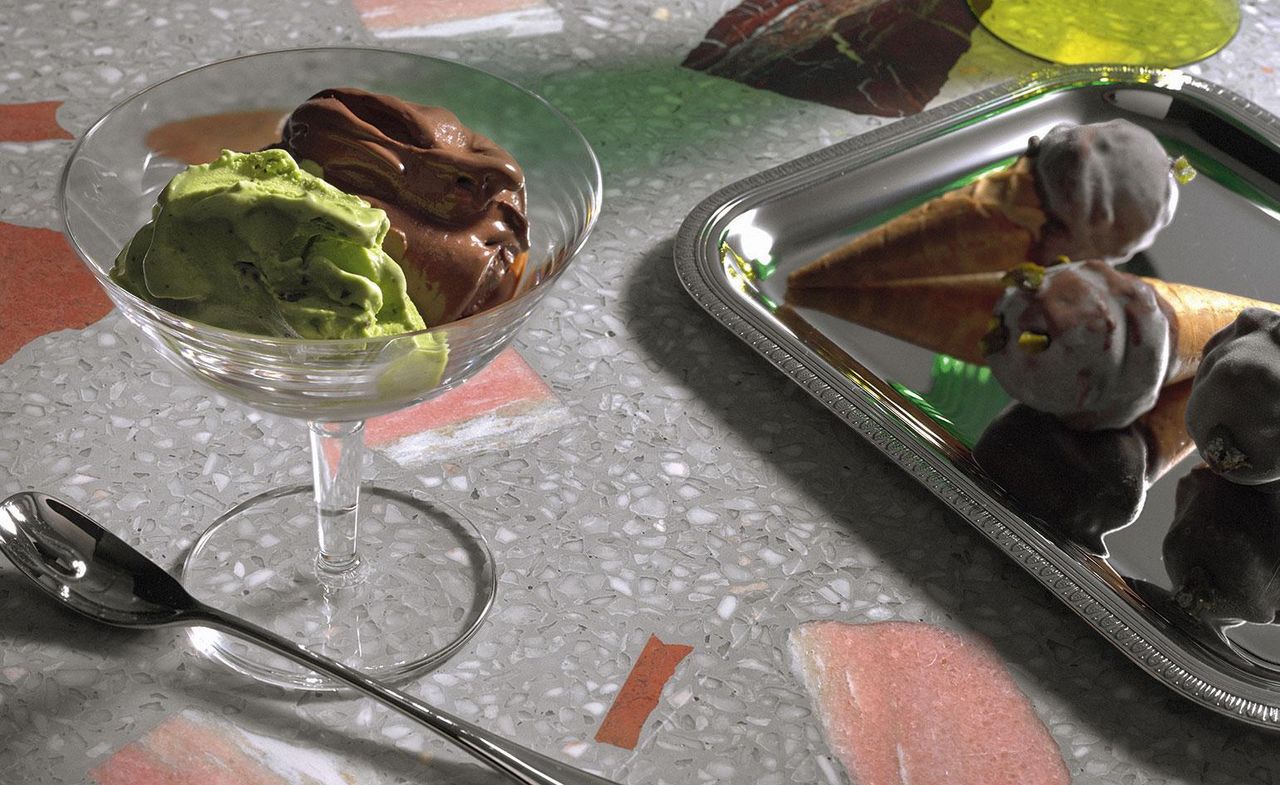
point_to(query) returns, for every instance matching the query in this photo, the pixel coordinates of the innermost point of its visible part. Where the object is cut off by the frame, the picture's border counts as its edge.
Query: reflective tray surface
(1195, 607)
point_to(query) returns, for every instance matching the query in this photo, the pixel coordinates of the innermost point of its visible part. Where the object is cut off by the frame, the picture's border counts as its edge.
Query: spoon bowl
(86, 567)
(94, 572)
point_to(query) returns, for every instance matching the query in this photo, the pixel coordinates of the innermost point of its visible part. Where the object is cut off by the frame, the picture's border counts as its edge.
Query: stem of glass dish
(337, 451)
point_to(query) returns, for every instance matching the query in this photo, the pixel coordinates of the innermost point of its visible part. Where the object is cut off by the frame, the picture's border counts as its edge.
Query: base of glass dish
(426, 580)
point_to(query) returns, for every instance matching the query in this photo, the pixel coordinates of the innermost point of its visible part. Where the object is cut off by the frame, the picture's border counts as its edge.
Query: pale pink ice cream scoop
(1107, 188)
(1234, 410)
(1086, 342)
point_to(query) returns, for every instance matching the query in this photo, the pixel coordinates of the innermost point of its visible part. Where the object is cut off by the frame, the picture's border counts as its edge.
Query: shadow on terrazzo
(276, 713)
(648, 119)
(936, 555)
(28, 616)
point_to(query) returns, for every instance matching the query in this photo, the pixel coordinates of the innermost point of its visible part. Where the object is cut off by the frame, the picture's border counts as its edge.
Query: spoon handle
(521, 764)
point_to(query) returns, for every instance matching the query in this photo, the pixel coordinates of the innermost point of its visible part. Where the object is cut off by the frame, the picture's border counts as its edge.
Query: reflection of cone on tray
(1084, 484)
(1223, 550)
(952, 314)
(1101, 190)
(990, 224)
(948, 314)
(1200, 314)
(1234, 411)
(1164, 429)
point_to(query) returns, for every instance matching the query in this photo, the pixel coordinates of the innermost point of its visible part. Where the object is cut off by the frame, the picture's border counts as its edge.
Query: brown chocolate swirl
(455, 199)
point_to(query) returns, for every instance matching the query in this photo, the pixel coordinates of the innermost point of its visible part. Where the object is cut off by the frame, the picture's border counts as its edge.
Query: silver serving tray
(735, 249)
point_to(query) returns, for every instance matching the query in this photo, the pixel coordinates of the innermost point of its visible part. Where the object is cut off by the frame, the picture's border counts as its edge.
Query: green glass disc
(1162, 33)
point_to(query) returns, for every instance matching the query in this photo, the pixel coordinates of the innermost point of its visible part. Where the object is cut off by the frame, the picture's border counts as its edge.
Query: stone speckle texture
(694, 493)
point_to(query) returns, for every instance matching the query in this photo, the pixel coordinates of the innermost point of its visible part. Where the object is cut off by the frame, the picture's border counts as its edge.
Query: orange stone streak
(32, 122)
(505, 381)
(46, 287)
(640, 693)
(199, 140)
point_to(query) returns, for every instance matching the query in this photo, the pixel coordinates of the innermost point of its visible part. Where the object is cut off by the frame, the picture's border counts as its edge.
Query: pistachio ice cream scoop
(251, 242)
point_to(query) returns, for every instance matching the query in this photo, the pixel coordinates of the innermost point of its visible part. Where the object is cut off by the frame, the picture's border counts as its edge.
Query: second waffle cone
(951, 313)
(993, 223)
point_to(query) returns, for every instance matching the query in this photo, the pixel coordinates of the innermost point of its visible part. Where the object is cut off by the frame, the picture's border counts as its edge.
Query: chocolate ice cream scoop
(1082, 341)
(1085, 484)
(1234, 411)
(455, 199)
(1081, 484)
(1223, 550)
(1107, 188)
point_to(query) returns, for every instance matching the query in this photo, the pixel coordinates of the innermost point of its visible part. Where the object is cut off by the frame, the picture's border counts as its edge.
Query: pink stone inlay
(191, 748)
(909, 702)
(505, 383)
(180, 751)
(393, 14)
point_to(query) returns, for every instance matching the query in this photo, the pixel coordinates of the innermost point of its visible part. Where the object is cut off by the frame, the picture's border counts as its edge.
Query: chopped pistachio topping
(1224, 456)
(1027, 275)
(1195, 597)
(1033, 343)
(1183, 171)
(996, 337)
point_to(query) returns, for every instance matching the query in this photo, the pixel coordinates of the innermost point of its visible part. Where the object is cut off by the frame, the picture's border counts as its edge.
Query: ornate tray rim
(1184, 670)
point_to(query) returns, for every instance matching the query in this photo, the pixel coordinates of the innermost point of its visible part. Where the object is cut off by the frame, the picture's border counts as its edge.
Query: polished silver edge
(1081, 589)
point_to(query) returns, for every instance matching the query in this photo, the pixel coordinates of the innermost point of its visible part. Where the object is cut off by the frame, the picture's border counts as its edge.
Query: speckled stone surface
(693, 492)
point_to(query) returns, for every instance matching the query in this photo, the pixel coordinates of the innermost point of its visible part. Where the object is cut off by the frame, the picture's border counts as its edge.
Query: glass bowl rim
(169, 320)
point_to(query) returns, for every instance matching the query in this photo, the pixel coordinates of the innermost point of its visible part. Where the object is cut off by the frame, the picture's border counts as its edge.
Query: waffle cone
(1195, 315)
(1164, 429)
(991, 224)
(951, 313)
(947, 314)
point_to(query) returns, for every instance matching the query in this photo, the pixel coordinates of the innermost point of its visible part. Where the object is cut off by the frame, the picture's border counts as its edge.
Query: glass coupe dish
(383, 581)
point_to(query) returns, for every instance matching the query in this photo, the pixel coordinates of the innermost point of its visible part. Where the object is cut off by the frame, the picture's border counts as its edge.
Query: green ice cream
(253, 243)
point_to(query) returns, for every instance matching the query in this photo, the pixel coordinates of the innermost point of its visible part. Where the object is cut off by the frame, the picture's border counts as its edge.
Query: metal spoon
(101, 576)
